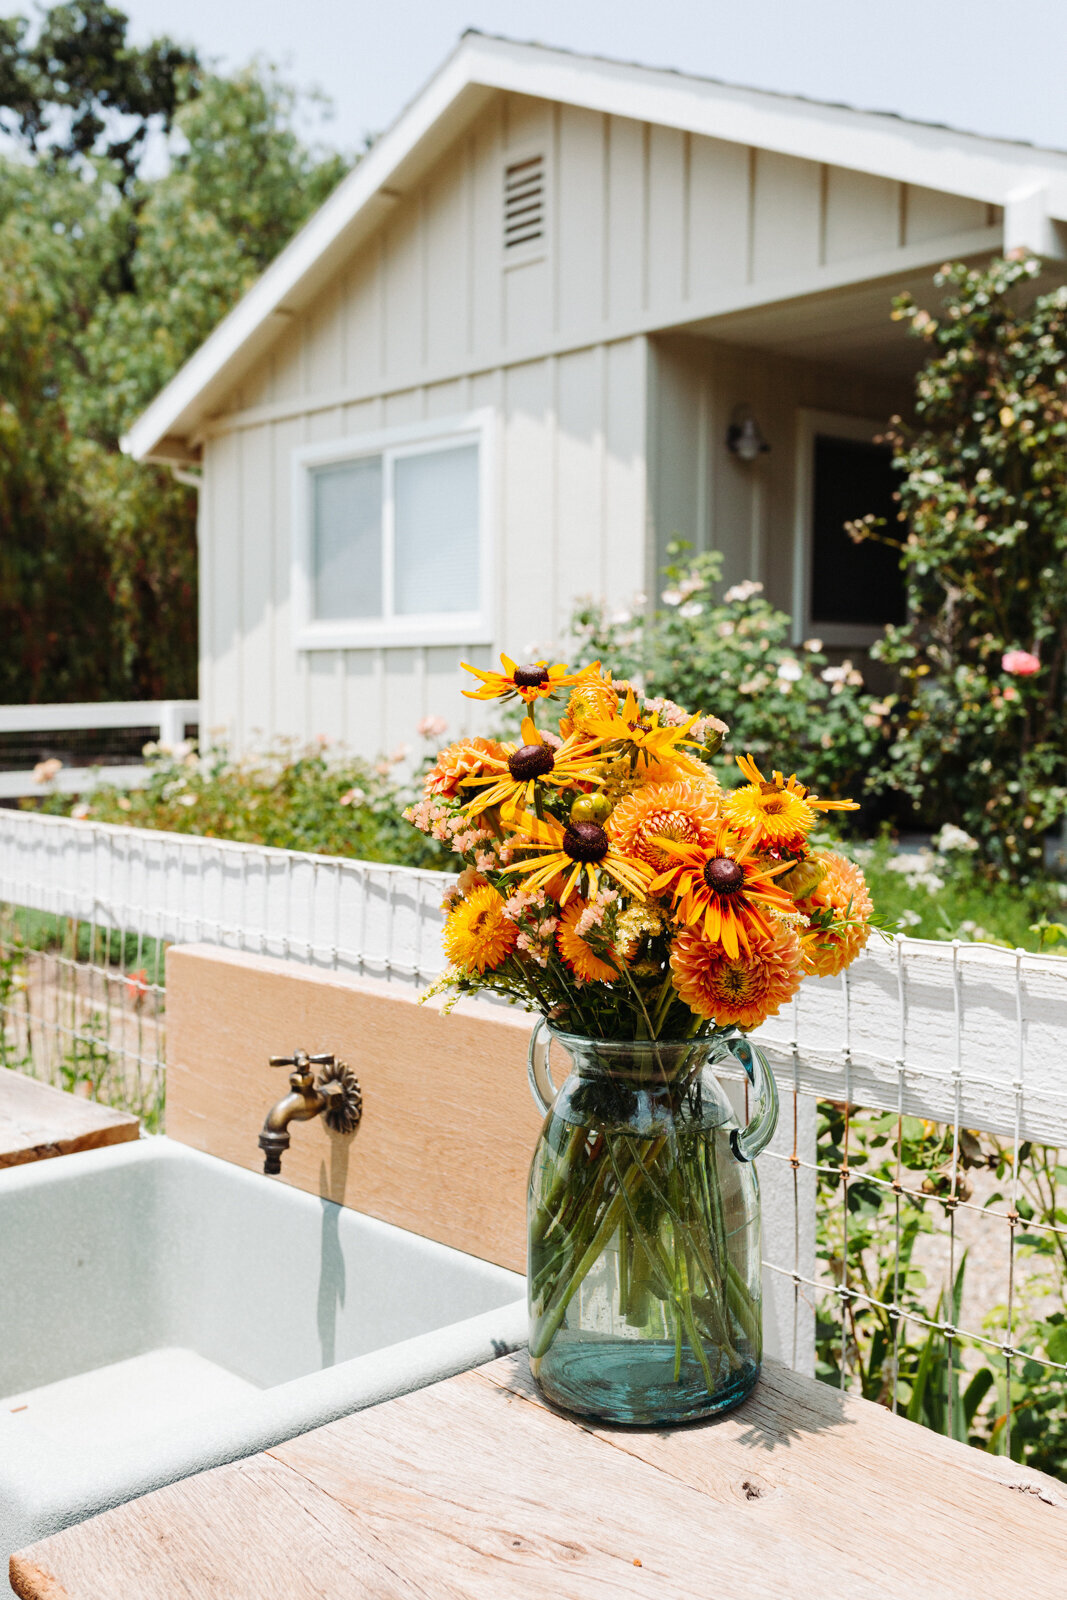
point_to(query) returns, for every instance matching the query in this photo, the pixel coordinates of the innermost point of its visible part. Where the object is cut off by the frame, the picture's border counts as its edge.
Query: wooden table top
(38, 1121)
(476, 1488)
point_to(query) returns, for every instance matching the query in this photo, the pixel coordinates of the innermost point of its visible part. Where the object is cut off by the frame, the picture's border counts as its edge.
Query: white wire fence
(938, 1071)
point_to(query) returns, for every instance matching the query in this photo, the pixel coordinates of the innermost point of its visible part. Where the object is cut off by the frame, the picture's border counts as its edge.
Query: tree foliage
(109, 280)
(980, 738)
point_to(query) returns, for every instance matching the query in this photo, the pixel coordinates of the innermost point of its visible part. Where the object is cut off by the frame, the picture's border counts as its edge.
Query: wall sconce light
(743, 437)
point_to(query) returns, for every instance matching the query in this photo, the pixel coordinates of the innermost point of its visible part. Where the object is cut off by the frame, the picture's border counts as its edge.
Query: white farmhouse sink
(162, 1312)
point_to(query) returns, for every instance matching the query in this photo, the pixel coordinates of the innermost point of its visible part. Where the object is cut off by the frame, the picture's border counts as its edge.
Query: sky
(975, 64)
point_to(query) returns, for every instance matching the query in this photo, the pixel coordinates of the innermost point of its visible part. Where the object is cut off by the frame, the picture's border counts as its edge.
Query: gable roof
(1021, 178)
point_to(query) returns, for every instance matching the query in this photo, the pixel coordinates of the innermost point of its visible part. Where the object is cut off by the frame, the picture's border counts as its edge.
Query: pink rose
(1020, 663)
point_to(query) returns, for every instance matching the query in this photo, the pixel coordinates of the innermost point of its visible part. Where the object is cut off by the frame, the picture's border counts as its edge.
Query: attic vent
(524, 201)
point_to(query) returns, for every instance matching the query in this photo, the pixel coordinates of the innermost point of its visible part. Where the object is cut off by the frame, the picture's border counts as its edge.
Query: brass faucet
(336, 1096)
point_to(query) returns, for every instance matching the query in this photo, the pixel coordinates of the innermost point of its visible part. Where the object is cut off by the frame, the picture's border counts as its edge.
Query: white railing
(970, 1035)
(928, 1028)
(168, 718)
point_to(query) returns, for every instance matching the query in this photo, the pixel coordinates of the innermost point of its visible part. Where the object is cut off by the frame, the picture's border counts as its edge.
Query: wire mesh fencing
(915, 1203)
(82, 1007)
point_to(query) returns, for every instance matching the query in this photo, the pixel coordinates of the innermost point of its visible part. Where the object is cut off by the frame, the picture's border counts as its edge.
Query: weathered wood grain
(38, 1121)
(476, 1489)
(448, 1123)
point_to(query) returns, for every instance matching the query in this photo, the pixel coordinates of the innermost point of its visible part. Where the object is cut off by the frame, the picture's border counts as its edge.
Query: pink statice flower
(1020, 663)
(431, 727)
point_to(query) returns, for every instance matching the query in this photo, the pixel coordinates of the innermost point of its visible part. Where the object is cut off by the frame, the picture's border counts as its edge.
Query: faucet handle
(301, 1060)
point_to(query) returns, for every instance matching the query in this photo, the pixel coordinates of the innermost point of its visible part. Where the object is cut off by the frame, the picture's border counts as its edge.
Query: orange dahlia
(838, 909)
(579, 955)
(725, 889)
(478, 936)
(684, 813)
(465, 759)
(743, 989)
(781, 808)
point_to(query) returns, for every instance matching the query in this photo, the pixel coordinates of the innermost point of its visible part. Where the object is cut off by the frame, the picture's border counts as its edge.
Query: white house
(505, 362)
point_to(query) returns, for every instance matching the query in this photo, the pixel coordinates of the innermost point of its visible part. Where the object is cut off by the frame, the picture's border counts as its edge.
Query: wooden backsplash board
(448, 1127)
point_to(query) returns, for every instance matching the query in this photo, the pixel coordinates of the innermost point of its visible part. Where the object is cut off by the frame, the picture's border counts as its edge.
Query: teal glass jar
(644, 1228)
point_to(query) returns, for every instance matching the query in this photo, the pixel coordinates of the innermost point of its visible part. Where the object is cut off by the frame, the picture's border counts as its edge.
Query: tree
(108, 281)
(79, 88)
(980, 738)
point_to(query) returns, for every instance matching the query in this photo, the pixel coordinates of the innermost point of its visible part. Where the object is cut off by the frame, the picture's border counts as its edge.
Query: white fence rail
(955, 1032)
(168, 717)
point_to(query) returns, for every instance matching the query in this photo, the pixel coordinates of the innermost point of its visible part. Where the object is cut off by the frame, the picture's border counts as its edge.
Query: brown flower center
(530, 677)
(723, 876)
(586, 842)
(531, 761)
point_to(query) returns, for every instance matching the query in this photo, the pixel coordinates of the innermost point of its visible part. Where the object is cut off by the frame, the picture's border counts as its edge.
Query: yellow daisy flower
(579, 850)
(578, 954)
(512, 776)
(640, 739)
(478, 936)
(780, 808)
(724, 889)
(530, 682)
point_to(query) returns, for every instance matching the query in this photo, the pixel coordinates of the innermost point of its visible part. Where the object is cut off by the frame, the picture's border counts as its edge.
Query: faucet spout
(337, 1094)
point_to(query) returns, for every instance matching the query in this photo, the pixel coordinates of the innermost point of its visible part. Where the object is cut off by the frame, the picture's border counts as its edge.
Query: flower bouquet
(651, 919)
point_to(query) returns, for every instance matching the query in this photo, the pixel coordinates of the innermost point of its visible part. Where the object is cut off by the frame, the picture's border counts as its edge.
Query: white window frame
(836, 425)
(446, 627)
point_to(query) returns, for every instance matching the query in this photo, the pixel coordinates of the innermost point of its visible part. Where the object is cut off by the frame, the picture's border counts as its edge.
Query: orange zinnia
(743, 990)
(465, 759)
(579, 955)
(840, 906)
(724, 888)
(685, 813)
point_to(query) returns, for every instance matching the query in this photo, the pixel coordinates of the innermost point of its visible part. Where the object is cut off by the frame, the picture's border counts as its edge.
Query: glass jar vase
(644, 1227)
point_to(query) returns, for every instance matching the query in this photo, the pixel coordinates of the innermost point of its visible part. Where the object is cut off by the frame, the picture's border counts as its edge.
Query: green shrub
(291, 797)
(980, 733)
(962, 1386)
(731, 658)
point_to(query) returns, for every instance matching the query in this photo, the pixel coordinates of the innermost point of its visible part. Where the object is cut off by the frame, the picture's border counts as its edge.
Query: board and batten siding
(699, 492)
(647, 228)
(568, 519)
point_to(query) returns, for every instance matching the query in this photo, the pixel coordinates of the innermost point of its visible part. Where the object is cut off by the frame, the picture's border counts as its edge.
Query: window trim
(446, 627)
(836, 425)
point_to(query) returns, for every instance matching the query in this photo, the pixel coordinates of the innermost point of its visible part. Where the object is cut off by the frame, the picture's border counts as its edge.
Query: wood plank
(448, 1122)
(476, 1488)
(808, 1446)
(38, 1121)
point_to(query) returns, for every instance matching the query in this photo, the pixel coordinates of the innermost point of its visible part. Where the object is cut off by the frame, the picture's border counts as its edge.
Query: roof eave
(965, 164)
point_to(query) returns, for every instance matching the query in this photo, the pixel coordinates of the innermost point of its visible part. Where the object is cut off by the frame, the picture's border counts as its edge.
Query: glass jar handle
(747, 1142)
(543, 1089)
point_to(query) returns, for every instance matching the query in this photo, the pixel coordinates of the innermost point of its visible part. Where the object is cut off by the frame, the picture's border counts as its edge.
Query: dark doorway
(861, 584)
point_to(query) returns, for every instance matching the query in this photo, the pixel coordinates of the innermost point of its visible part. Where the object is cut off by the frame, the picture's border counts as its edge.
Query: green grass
(967, 906)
